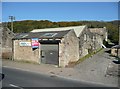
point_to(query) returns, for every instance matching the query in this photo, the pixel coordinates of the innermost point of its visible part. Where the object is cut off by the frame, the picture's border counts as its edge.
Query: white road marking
(12, 85)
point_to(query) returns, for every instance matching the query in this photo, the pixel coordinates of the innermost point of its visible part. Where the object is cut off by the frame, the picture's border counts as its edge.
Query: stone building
(58, 46)
(115, 51)
(82, 33)
(99, 35)
(7, 36)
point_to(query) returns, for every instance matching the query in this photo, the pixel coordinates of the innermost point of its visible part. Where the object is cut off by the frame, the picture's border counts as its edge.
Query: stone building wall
(68, 49)
(7, 36)
(99, 35)
(90, 41)
(25, 53)
(85, 42)
(98, 41)
(115, 51)
(0, 42)
(7, 53)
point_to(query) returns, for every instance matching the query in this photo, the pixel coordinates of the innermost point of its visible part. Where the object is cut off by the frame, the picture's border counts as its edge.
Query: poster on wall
(35, 43)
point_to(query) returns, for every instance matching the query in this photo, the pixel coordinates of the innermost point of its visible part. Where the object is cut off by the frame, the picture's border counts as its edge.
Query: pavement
(94, 69)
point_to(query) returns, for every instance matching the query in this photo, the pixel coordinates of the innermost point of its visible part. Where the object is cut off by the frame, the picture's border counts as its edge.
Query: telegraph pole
(12, 18)
(119, 33)
(119, 40)
(119, 27)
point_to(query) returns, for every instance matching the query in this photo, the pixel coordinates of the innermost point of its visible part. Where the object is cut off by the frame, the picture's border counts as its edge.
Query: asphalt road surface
(21, 79)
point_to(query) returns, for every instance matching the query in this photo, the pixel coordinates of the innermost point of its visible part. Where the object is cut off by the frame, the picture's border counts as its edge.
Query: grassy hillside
(28, 25)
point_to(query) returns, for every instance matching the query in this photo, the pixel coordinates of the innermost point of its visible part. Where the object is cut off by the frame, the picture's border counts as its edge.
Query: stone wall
(68, 49)
(99, 34)
(100, 31)
(85, 42)
(98, 41)
(91, 40)
(7, 36)
(115, 52)
(7, 53)
(119, 53)
(0, 42)
(25, 53)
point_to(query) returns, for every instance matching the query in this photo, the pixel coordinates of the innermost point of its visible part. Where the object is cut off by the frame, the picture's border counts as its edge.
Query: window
(50, 34)
(23, 35)
(116, 51)
(93, 38)
(85, 37)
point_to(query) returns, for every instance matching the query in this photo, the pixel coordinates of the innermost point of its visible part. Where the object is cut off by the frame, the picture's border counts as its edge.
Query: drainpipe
(13, 50)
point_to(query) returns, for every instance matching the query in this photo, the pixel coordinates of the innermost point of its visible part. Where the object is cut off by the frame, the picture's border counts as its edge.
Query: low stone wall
(115, 52)
(6, 53)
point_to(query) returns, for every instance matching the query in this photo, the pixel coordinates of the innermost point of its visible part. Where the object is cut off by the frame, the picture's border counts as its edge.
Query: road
(97, 67)
(19, 78)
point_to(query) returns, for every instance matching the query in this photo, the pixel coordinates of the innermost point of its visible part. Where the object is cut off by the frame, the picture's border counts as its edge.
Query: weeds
(87, 56)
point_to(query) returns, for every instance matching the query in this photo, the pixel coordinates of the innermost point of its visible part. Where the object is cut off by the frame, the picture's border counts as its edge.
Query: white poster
(25, 43)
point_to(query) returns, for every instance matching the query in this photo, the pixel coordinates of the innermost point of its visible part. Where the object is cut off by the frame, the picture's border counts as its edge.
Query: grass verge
(87, 56)
(72, 64)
